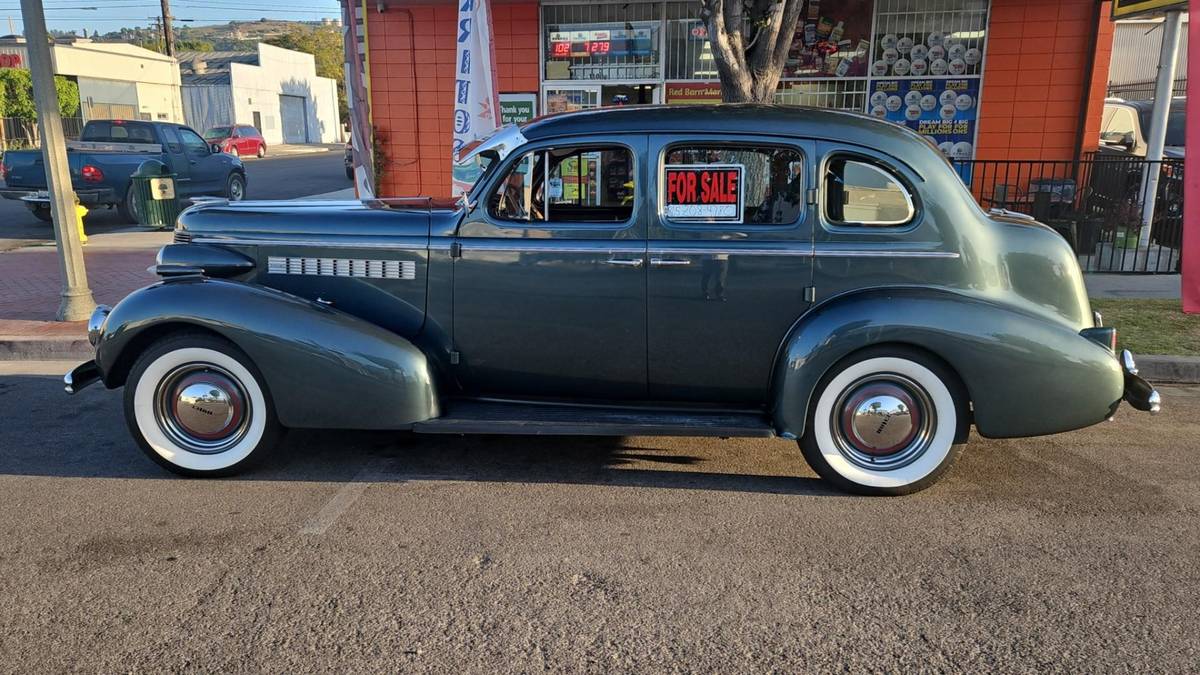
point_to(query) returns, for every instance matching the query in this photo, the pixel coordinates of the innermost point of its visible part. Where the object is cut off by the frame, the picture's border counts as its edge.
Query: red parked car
(238, 140)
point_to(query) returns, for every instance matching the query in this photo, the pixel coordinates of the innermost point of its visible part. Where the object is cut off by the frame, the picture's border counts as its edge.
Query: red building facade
(1003, 80)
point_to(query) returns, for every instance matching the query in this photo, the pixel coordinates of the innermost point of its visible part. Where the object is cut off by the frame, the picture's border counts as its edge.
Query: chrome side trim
(532, 247)
(807, 253)
(342, 267)
(421, 245)
(832, 253)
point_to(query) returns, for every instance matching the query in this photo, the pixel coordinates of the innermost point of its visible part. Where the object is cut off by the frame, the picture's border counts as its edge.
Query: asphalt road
(374, 551)
(282, 177)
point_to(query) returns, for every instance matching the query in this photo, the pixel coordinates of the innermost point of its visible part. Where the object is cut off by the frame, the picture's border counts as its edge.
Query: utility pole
(1167, 57)
(168, 29)
(77, 302)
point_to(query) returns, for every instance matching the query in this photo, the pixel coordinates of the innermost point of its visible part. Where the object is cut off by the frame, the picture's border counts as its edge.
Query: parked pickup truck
(109, 151)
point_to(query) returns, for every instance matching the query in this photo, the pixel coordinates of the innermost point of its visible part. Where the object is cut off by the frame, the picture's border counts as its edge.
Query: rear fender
(324, 368)
(1026, 375)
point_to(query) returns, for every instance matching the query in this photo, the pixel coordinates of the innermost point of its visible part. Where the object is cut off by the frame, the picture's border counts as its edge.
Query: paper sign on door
(710, 193)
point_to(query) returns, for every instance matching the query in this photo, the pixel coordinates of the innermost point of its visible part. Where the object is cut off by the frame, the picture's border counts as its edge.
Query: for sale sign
(704, 193)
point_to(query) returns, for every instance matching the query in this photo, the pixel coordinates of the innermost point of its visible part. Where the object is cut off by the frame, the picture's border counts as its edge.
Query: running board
(484, 417)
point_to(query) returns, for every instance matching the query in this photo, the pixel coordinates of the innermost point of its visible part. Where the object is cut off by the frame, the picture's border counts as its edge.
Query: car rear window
(117, 132)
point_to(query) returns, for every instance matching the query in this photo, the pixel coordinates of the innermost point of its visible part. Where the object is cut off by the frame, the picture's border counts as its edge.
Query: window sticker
(710, 193)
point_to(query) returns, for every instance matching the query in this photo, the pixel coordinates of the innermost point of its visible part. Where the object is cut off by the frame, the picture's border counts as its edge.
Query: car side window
(193, 142)
(172, 138)
(858, 192)
(586, 184)
(733, 183)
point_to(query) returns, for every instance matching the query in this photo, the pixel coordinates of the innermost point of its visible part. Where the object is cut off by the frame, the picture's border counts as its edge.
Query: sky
(113, 14)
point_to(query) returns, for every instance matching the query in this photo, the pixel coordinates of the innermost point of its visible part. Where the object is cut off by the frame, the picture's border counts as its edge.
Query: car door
(205, 170)
(730, 263)
(247, 141)
(549, 274)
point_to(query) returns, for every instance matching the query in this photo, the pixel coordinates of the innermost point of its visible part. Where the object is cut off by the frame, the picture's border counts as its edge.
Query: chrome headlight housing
(95, 326)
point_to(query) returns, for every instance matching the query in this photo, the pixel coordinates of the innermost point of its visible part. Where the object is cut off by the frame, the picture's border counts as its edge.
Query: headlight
(96, 323)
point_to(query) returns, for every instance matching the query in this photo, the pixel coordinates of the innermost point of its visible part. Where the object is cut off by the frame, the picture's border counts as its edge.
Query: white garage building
(274, 89)
(116, 80)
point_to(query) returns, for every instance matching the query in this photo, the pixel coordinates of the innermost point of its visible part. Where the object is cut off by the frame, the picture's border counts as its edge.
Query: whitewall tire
(885, 422)
(197, 406)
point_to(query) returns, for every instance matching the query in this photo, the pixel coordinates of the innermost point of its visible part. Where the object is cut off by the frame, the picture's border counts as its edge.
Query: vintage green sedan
(740, 270)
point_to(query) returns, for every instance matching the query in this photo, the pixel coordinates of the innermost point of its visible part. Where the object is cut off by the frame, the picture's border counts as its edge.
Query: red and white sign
(709, 193)
(12, 59)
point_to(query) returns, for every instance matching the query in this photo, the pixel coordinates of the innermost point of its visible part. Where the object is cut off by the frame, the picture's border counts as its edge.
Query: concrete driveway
(375, 551)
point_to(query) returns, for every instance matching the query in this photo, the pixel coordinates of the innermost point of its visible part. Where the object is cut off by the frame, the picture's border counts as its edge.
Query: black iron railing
(1095, 203)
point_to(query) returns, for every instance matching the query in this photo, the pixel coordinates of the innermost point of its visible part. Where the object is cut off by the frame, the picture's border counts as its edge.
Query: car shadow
(45, 433)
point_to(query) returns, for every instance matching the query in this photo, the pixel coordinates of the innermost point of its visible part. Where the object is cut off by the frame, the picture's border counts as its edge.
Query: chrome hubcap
(202, 408)
(235, 191)
(883, 422)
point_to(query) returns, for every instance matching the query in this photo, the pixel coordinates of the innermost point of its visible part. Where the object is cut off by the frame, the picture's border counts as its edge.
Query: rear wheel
(262, 151)
(884, 422)
(197, 406)
(42, 213)
(128, 207)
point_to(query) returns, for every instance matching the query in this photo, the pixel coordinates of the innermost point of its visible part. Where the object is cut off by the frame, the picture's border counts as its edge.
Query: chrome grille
(183, 237)
(343, 267)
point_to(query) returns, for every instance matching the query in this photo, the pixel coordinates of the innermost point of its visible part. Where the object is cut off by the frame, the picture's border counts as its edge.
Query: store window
(753, 184)
(602, 42)
(861, 193)
(567, 185)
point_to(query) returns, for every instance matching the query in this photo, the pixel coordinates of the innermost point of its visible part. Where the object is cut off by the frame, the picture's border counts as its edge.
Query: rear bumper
(85, 196)
(1138, 392)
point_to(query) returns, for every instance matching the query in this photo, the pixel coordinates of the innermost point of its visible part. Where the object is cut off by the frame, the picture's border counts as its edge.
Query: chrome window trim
(890, 177)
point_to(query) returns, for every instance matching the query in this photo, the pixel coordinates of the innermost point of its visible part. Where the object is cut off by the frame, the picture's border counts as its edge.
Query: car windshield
(218, 132)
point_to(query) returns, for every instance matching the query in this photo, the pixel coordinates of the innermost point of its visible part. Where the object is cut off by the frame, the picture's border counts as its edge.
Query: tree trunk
(750, 65)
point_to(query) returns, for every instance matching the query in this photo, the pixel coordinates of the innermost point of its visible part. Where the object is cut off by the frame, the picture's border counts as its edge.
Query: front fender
(1027, 375)
(324, 368)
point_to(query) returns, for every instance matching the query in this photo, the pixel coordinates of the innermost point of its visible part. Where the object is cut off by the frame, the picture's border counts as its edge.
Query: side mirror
(215, 148)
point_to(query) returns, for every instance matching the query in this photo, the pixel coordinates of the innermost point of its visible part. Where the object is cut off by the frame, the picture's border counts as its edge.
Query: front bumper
(1138, 392)
(82, 375)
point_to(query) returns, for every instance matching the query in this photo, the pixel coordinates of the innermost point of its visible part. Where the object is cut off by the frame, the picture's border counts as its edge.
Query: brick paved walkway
(30, 281)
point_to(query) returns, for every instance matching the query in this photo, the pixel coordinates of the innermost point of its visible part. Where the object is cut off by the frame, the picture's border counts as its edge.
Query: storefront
(998, 79)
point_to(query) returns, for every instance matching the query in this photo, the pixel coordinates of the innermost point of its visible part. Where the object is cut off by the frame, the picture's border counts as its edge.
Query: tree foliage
(325, 44)
(750, 41)
(16, 99)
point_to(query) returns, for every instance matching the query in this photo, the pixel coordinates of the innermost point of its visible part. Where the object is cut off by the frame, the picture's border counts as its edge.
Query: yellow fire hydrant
(80, 212)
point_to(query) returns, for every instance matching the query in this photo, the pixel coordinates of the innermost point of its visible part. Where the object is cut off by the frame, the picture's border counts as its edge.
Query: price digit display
(561, 49)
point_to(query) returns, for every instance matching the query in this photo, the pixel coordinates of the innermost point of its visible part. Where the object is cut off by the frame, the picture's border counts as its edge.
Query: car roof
(783, 120)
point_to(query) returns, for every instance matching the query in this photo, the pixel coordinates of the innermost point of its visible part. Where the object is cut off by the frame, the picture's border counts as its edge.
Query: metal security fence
(1095, 203)
(1142, 91)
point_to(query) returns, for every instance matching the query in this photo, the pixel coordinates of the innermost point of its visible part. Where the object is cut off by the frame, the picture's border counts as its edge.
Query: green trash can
(155, 202)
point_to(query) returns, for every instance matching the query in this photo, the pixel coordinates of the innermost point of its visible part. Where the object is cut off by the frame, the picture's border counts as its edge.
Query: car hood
(311, 222)
(1173, 152)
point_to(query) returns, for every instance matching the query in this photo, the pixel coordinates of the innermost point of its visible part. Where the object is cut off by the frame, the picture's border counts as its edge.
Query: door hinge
(455, 250)
(454, 358)
(810, 293)
(811, 195)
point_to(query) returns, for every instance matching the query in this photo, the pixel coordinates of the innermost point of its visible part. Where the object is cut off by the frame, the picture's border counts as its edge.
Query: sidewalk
(290, 149)
(1159, 286)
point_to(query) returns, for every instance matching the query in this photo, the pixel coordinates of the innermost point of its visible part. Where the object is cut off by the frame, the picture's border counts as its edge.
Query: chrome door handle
(624, 262)
(668, 262)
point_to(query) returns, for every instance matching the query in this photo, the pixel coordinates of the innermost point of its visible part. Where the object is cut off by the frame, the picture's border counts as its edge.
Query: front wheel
(885, 422)
(235, 189)
(197, 406)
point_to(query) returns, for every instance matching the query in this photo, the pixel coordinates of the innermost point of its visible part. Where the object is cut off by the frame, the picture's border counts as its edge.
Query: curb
(1169, 369)
(24, 348)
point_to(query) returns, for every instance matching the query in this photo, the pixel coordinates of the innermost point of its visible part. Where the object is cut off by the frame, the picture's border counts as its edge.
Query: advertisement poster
(944, 110)
(833, 39)
(934, 54)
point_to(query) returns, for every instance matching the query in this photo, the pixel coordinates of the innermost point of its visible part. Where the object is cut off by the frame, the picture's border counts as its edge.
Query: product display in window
(832, 39)
(605, 51)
